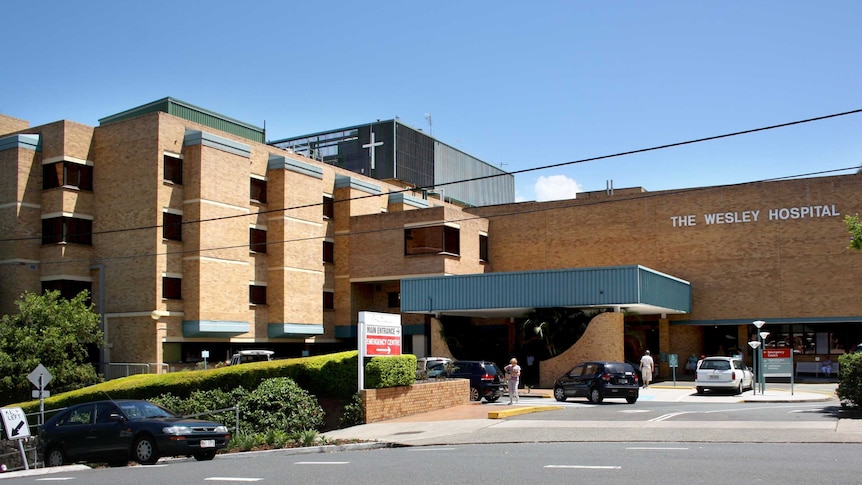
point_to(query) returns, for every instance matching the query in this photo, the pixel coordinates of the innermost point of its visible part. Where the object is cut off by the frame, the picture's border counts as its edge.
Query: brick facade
(396, 402)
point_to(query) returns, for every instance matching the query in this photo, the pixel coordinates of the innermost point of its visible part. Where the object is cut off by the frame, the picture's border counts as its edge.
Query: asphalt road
(623, 462)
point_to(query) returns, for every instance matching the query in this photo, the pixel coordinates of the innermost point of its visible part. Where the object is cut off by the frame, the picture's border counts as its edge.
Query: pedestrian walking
(647, 366)
(513, 375)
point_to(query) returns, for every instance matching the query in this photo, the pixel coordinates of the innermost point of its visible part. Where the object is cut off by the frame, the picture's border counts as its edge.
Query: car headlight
(221, 429)
(177, 430)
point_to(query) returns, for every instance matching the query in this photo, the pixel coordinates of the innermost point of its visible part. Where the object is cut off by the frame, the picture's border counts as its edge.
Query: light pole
(760, 337)
(754, 344)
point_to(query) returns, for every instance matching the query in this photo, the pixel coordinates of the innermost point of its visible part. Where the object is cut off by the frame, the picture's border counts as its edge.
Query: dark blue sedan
(115, 432)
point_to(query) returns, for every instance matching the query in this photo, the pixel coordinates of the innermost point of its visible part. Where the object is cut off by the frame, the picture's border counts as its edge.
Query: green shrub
(850, 378)
(280, 404)
(393, 371)
(354, 412)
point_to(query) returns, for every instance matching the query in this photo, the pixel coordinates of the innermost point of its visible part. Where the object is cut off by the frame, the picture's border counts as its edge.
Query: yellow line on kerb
(505, 413)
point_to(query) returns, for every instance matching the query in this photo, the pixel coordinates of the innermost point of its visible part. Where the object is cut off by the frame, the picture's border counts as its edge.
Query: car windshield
(492, 369)
(142, 409)
(715, 364)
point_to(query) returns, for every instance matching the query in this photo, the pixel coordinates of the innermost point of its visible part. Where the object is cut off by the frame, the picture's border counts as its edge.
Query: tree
(854, 227)
(52, 331)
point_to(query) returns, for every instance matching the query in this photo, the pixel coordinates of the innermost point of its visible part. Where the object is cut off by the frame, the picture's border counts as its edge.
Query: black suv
(598, 380)
(486, 379)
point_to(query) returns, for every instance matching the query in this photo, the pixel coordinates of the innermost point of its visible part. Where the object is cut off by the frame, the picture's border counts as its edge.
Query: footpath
(482, 423)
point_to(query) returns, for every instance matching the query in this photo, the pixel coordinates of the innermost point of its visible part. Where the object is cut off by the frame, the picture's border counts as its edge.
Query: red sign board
(776, 353)
(382, 340)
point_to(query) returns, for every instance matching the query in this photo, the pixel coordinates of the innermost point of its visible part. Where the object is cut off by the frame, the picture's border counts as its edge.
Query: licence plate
(207, 443)
(713, 377)
(624, 381)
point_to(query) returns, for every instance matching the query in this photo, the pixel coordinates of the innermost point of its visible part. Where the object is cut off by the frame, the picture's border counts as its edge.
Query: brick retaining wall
(396, 402)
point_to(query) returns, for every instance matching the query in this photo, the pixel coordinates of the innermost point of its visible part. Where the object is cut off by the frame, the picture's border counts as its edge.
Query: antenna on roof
(428, 117)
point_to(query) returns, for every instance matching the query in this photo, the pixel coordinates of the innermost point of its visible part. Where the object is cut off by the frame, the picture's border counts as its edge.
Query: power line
(484, 177)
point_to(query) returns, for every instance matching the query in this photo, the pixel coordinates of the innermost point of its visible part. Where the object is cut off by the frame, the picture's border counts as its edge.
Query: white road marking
(631, 411)
(664, 417)
(322, 463)
(654, 448)
(232, 479)
(54, 479)
(589, 467)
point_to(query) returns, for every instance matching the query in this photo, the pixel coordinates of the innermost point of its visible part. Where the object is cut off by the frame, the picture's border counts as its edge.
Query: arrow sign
(15, 423)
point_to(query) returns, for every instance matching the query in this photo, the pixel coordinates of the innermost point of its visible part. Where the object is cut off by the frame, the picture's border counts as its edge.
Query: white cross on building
(371, 147)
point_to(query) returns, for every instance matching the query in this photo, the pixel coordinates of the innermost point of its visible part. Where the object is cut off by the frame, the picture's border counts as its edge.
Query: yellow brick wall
(396, 402)
(9, 124)
(603, 340)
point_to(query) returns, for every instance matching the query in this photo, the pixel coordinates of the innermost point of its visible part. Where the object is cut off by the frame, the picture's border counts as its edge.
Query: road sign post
(379, 335)
(17, 428)
(40, 377)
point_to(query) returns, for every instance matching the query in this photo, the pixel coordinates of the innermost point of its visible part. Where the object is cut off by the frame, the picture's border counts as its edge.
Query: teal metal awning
(634, 288)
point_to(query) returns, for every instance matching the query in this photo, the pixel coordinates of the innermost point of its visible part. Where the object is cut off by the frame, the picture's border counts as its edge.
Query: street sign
(40, 370)
(381, 334)
(15, 423)
(777, 362)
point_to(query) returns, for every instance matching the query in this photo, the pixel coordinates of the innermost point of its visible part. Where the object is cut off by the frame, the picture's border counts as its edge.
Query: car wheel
(205, 455)
(55, 457)
(492, 398)
(145, 451)
(739, 387)
(559, 394)
(595, 395)
(699, 390)
(474, 394)
(632, 399)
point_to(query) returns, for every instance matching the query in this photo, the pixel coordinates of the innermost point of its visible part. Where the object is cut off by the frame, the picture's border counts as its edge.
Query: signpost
(40, 377)
(778, 363)
(379, 335)
(15, 424)
(673, 362)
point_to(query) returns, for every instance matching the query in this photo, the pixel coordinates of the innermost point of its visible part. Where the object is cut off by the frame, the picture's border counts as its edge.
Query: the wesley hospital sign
(740, 217)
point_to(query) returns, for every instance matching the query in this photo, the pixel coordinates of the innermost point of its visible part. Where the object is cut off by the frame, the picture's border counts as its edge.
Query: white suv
(725, 373)
(245, 356)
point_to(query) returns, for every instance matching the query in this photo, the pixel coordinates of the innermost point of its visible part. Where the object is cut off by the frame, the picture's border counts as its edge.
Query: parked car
(436, 370)
(424, 366)
(246, 356)
(725, 373)
(115, 432)
(599, 380)
(486, 379)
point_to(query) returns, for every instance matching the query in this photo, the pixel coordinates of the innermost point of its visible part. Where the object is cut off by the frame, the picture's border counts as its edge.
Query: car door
(73, 432)
(108, 434)
(570, 382)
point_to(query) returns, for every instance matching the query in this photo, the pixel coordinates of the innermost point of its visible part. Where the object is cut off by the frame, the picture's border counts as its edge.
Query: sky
(519, 85)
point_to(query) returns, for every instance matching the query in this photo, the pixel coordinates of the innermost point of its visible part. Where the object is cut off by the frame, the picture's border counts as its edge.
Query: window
(257, 240)
(432, 240)
(328, 207)
(329, 300)
(67, 230)
(258, 190)
(173, 169)
(67, 174)
(68, 288)
(172, 226)
(257, 294)
(172, 288)
(483, 248)
(328, 252)
(394, 299)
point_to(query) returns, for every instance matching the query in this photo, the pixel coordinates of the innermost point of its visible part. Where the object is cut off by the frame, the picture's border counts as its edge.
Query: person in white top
(647, 366)
(513, 374)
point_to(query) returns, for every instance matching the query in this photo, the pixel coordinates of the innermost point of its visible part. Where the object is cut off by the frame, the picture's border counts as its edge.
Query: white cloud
(556, 187)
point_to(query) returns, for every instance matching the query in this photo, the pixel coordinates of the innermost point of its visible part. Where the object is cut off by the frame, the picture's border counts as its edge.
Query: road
(624, 462)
